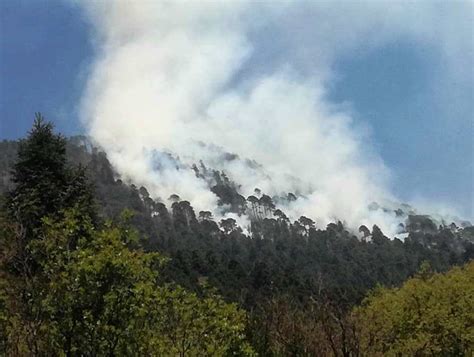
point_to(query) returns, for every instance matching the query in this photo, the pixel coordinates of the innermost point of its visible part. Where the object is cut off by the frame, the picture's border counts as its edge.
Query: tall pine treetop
(42, 154)
(44, 184)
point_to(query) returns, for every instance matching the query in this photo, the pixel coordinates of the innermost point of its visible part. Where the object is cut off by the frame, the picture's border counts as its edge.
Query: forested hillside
(93, 265)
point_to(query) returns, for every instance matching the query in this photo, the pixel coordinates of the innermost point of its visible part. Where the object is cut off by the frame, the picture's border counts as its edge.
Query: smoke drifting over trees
(173, 85)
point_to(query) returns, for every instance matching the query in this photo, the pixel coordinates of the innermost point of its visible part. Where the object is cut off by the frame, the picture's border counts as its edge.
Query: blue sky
(44, 51)
(422, 123)
(426, 142)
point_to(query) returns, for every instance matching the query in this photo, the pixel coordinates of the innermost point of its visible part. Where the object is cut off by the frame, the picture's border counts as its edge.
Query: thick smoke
(197, 80)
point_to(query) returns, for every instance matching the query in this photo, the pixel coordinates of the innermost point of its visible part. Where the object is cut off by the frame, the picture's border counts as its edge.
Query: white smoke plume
(195, 79)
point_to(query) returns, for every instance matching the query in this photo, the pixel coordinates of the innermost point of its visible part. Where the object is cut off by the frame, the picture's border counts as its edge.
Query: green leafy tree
(430, 315)
(101, 298)
(193, 326)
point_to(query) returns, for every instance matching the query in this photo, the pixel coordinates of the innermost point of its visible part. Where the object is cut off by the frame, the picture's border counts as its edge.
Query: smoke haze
(199, 80)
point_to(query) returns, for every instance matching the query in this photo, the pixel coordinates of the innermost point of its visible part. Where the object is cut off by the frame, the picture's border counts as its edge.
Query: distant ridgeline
(276, 256)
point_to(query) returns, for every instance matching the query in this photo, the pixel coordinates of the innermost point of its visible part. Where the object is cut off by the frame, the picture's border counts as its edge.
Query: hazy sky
(418, 108)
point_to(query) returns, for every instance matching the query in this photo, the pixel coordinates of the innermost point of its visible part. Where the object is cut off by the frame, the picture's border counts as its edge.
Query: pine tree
(44, 186)
(39, 176)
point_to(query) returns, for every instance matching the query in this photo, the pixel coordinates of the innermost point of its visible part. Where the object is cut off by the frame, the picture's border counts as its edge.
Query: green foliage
(101, 298)
(6, 232)
(96, 295)
(193, 326)
(427, 316)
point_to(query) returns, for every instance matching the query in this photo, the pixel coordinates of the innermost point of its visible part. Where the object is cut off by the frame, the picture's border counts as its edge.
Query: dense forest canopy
(93, 265)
